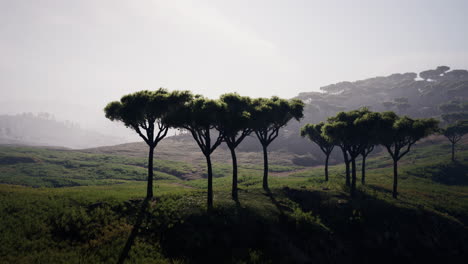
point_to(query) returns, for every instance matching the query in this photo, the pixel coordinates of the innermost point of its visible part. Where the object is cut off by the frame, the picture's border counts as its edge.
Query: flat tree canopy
(235, 125)
(315, 134)
(269, 116)
(398, 134)
(200, 116)
(143, 111)
(351, 131)
(454, 133)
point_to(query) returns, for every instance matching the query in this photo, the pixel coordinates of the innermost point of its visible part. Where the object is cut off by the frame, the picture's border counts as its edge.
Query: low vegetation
(302, 219)
(85, 207)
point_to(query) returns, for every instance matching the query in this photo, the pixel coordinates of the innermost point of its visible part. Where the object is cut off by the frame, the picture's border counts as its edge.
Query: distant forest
(43, 129)
(441, 93)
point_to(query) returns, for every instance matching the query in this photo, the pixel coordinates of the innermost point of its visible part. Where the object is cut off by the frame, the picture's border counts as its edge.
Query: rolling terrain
(61, 205)
(69, 206)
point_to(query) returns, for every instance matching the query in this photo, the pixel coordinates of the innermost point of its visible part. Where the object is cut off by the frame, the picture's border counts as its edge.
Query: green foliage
(453, 106)
(274, 113)
(236, 116)
(456, 131)
(199, 113)
(454, 117)
(396, 133)
(140, 110)
(59, 168)
(352, 130)
(315, 134)
(303, 217)
(200, 116)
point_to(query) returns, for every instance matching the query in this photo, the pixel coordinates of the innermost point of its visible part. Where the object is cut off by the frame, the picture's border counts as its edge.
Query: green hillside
(97, 201)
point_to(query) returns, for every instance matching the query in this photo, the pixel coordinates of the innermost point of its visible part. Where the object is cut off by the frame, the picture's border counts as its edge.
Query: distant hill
(43, 130)
(431, 93)
(439, 93)
(406, 94)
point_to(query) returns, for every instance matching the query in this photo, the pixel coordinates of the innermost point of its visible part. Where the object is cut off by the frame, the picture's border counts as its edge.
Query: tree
(364, 153)
(401, 100)
(429, 75)
(350, 131)
(434, 74)
(402, 107)
(270, 115)
(454, 117)
(451, 107)
(388, 105)
(144, 111)
(369, 125)
(235, 125)
(457, 75)
(314, 133)
(200, 116)
(338, 87)
(442, 69)
(454, 133)
(399, 134)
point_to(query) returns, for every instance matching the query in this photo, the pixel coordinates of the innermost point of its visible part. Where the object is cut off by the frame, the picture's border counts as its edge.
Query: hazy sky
(78, 55)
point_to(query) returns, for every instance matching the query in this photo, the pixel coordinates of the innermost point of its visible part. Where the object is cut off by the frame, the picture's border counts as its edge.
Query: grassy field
(41, 167)
(62, 206)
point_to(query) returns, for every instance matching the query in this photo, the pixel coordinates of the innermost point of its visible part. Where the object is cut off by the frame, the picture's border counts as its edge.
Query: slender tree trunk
(348, 174)
(346, 160)
(234, 174)
(363, 177)
(326, 166)
(395, 178)
(210, 183)
(453, 151)
(353, 180)
(265, 167)
(149, 191)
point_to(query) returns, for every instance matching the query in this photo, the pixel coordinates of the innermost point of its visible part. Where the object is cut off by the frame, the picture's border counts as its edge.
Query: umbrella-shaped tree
(235, 125)
(369, 125)
(350, 131)
(454, 133)
(147, 113)
(269, 116)
(398, 134)
(364, 153)
(314, 133)
(200, 117)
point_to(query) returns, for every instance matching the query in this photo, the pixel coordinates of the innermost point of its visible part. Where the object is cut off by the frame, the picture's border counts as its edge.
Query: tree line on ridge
(231, 118)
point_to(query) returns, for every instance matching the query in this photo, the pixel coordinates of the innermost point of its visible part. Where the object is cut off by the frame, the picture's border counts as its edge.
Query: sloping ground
(28, 129)
(43, 167)
(184, 149)
(303, 220)
(176, 158)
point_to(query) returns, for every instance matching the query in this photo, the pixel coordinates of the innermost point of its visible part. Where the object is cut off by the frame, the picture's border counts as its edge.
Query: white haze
(70, 58)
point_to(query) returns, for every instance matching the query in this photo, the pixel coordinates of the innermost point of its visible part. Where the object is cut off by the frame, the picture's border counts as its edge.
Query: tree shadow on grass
(239, 234)
(453, 173)
(218, 236)
(369, 228)
(379, 189)
(133, 234)
(274, 201)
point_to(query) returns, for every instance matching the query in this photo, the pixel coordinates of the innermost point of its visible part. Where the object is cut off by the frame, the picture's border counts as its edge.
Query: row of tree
(454, 133)
(229, 119)
(357, 132)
